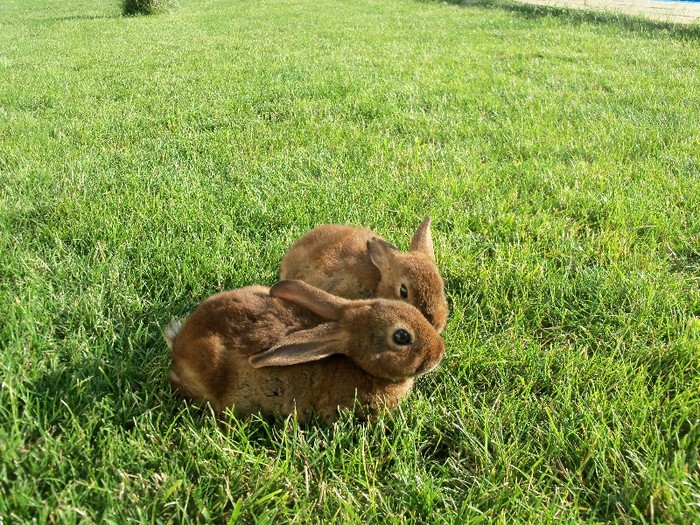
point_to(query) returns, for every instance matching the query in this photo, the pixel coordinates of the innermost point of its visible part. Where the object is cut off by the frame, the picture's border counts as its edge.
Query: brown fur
(353, 262)
(302, 350)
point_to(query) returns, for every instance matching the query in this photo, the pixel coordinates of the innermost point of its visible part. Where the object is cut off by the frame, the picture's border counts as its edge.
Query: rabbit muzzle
(431, 361)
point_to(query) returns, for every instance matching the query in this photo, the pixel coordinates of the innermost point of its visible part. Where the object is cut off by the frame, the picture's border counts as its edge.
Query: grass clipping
(146, 7)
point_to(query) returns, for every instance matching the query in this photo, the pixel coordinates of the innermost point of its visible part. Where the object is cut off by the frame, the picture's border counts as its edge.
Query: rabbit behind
(300, 349)
(355, 263)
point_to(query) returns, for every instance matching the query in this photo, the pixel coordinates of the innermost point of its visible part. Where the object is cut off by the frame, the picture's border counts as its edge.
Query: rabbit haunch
(299, 348)
(355, 263)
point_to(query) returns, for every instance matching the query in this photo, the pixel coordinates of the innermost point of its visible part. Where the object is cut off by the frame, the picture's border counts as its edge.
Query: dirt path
(680, 12)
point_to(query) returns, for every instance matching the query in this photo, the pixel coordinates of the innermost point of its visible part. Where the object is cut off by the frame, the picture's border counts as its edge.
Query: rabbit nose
(426, 366)
(429, 364)
(429, 316)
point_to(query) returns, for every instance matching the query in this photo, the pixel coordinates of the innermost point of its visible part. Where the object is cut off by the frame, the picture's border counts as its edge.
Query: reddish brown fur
(336, 258)
(211, 352)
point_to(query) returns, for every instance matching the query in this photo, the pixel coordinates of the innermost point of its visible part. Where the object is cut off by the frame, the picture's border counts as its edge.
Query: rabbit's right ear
(380, 253)
(422, 240)
(313, 299)
(302, 347)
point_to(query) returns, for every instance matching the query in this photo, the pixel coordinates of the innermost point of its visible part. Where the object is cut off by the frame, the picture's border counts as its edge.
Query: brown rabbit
(296, 347)
(353, 262)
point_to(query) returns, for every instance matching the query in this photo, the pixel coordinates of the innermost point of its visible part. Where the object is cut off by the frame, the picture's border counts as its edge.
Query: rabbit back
(333, 257)
(210, 349)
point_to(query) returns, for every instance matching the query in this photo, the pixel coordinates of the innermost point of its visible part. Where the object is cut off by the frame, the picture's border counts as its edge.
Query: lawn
(147, 162)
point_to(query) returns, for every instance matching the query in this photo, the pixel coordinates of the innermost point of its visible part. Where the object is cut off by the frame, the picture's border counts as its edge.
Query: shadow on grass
(637, 24)
(115, 387)
(49, 20)
(81, 17)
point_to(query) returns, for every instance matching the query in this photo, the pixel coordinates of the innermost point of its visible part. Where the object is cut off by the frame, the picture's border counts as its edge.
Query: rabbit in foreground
(295, 347)
(355, 263)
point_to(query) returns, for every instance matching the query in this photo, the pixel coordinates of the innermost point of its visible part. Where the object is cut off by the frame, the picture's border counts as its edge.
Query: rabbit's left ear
(422, 240)
(381, 253)
(302, 347)
(313, 299)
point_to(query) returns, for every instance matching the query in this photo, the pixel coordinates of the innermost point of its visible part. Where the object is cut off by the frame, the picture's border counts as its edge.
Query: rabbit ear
(423, 240)
(302, 347)
(313, 299)
(380, 253)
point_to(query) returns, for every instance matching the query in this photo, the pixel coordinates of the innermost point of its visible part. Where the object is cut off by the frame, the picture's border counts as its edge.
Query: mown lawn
(148, 162)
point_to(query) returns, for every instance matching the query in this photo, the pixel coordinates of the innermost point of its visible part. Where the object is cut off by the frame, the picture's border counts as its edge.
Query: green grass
(148, 162)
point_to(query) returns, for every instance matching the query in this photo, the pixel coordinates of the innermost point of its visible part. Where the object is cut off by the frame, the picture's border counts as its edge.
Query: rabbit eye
(402, 337)
(403, 291)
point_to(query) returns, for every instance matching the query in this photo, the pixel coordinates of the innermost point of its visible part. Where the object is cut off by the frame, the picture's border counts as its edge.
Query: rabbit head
(412, 276)
(387, 339)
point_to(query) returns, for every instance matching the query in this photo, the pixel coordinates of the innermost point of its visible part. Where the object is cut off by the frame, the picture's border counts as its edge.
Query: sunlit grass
(148, 162)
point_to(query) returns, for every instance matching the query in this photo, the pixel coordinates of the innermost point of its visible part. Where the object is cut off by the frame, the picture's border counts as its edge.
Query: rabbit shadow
(116, 385)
